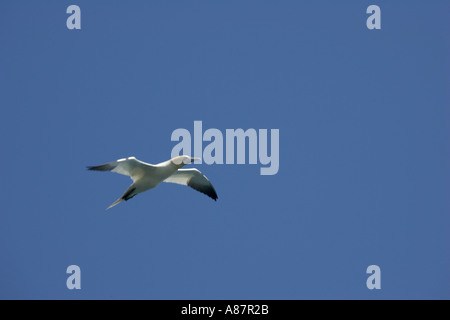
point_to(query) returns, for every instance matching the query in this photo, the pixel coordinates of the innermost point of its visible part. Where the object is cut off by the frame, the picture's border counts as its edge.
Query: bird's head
(180, 161)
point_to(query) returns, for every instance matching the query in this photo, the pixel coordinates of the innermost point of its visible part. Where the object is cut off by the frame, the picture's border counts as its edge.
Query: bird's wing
(131, 167)
(194, 179)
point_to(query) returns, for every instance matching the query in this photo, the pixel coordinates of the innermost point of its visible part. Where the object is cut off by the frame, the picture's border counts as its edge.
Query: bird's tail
(126, 196)
(115, 203)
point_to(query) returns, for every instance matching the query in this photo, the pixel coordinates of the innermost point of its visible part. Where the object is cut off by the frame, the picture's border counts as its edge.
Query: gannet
(146, 176)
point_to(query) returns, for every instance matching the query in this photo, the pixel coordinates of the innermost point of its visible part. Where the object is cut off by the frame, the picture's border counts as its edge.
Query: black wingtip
(102, 167)
(215, 197)
(212, 195)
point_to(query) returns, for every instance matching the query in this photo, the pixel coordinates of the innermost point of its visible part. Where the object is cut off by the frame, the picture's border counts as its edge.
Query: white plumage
(146, 176)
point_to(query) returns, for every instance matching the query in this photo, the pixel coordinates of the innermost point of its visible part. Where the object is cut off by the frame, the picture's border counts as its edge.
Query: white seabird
(146, 176)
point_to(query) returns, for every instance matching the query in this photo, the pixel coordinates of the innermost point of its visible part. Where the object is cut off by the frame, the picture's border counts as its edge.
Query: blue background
(364, 153)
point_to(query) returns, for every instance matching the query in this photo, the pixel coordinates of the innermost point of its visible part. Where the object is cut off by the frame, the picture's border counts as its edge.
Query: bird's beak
(195, 159)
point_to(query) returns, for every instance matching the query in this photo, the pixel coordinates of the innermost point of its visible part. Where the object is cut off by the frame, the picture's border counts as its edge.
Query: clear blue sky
(364, 125)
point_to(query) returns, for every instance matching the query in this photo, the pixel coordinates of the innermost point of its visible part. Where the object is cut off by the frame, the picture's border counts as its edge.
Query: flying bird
(146, 176)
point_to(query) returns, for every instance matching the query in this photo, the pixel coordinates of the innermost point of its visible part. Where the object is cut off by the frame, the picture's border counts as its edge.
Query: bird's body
(147, 176)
